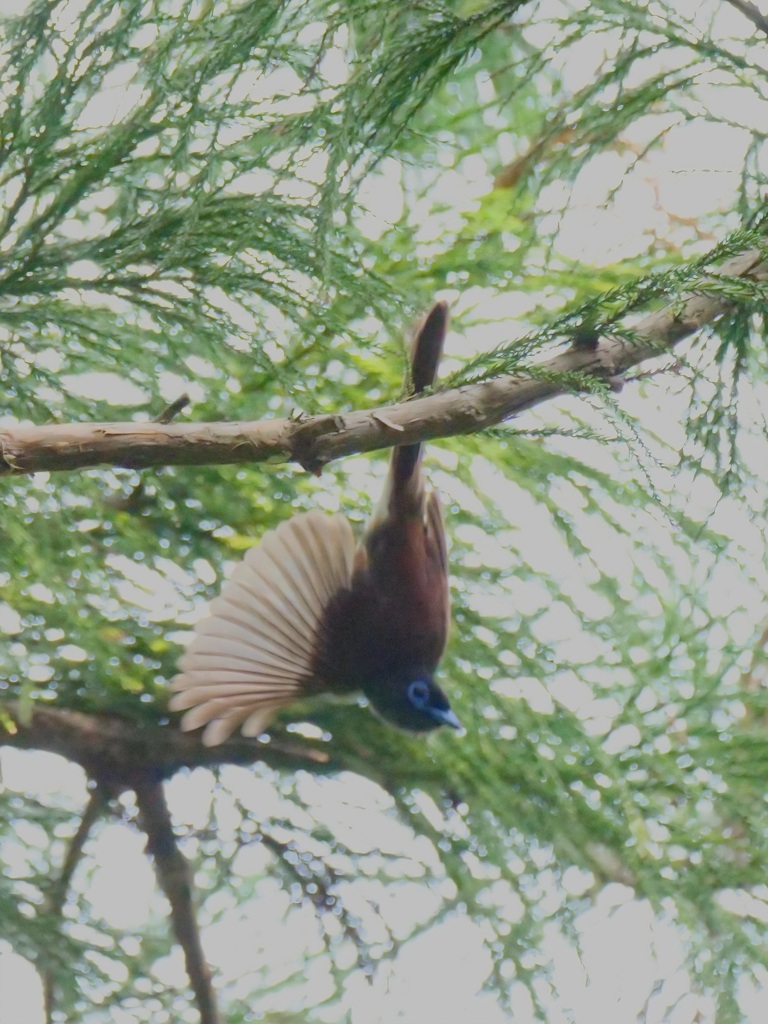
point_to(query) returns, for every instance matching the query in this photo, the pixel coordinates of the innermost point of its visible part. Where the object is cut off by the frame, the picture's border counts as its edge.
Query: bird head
(415, 703)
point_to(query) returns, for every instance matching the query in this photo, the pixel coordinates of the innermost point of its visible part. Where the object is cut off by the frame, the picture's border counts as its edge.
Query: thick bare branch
(116, 751)
(318, 440)
(175, 877)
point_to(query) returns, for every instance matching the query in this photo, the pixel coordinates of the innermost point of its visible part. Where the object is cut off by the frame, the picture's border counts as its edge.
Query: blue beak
(446, 717)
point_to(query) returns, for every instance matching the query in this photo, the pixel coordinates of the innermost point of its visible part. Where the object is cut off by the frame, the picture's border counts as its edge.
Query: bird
(312, 611)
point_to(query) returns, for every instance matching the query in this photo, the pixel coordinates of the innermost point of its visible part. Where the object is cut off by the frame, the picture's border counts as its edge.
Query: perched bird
(311, 611)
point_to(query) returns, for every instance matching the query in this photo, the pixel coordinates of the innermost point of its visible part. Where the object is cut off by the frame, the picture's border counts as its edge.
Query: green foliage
(186, 198)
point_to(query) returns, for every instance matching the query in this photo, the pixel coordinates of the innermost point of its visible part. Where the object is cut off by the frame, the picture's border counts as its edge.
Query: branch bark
(318, 440)
(175, 878)
(117, 751)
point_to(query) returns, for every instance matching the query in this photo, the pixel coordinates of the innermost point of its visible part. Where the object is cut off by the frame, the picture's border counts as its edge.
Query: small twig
(675, 368)
(57, 895)
(134, 501)
(175, 878)
(321, 897)
(750, 11)
(173, 409)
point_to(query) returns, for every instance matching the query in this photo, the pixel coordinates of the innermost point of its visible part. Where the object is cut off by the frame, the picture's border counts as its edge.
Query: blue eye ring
(418, 693)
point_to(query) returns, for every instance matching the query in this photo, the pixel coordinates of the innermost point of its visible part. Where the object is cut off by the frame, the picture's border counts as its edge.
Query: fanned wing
(257, 650)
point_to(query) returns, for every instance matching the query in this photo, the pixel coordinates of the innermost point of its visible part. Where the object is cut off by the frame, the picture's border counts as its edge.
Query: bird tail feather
(405, 485)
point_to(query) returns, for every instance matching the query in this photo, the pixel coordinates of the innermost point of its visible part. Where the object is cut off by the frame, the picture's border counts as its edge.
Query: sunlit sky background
(625, 950)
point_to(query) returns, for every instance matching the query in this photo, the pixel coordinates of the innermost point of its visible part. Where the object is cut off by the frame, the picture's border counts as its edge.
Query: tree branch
(316, 441)
(175, 878)
(120, 752)
(750, 11)
(116, 751)
(57, 894)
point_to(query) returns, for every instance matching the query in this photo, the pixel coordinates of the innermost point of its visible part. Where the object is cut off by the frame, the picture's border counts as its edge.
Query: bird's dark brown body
(311, 611)
(394, 618)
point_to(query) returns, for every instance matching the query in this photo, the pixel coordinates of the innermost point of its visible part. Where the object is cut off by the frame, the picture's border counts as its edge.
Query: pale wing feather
(207, 646)
(221, 644)
(303, 567)
(221, 719)
(252, 723)
(254, 575)
(239, 609)
(256, 651)
(336, 558)
(222, 689)
(219, 667)
(196, 695)
(221, 729)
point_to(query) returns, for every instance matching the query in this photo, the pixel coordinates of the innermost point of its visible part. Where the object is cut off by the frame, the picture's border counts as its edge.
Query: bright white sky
(625, 950)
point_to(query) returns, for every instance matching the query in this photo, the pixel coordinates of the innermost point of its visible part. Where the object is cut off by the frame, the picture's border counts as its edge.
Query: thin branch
(135, 500)
(750, 11)
(57, 894)
(316, 441)
(175, 878)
